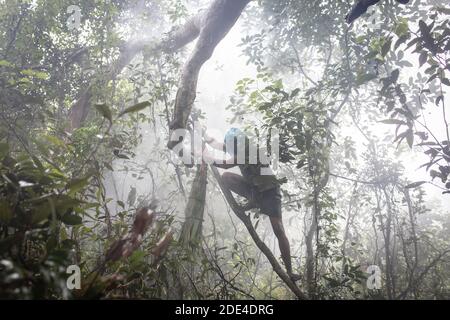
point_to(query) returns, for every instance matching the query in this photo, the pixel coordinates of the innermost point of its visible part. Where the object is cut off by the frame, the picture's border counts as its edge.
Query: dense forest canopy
(91, 92)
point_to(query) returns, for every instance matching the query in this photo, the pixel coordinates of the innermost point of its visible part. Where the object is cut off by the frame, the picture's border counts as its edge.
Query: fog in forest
(88, 105)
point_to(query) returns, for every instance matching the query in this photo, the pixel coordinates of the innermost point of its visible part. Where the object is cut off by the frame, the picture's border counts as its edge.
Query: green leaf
(71, 219)
(401, 28)
(295, 92)
(410, 138)
(4, 149)
(7, 243)
(137, 107)
(360, 39)
(108, 166)
(393, 121)
(137, 258)
(400, 41)
(68, 243)
(55, 141)
(415, 184)
(443, 10)
(76, 185)
(4, 63)
(423, 58)
(41, 212)
(65, 202)
(60, 203)
(363, 78)
(6, 212)
(424, 29)
(104, 110)
(35, 74)
(394, 75)
(386, 47)
(120, 155)
(401, 136)
(428, 143)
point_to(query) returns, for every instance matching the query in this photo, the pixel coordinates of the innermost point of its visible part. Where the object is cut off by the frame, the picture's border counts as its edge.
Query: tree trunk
(217, 21)
(210, 26)
(310, 256)
(191, 232)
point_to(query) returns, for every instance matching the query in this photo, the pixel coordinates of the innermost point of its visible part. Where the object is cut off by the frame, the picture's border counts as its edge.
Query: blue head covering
(232, 135)
(231, 138)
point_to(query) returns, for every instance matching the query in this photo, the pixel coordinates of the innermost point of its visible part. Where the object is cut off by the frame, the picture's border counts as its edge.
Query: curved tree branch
(217, 21)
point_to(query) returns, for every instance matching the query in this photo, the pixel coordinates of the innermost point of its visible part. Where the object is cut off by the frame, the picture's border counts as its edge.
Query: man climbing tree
(260, 190)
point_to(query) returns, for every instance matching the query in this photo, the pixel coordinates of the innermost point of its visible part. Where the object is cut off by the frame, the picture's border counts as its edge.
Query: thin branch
(354, 180)
(300, 66)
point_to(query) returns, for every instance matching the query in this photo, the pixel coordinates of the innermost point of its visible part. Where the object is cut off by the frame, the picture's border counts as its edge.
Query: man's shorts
(269, 202)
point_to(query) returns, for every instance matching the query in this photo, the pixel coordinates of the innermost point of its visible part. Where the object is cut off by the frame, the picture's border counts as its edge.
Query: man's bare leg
(283, 243)
(239, 185)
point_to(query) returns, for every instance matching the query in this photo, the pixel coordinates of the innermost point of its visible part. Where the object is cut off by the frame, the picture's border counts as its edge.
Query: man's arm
(224, 165)
(220, 163)
(213, 142)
